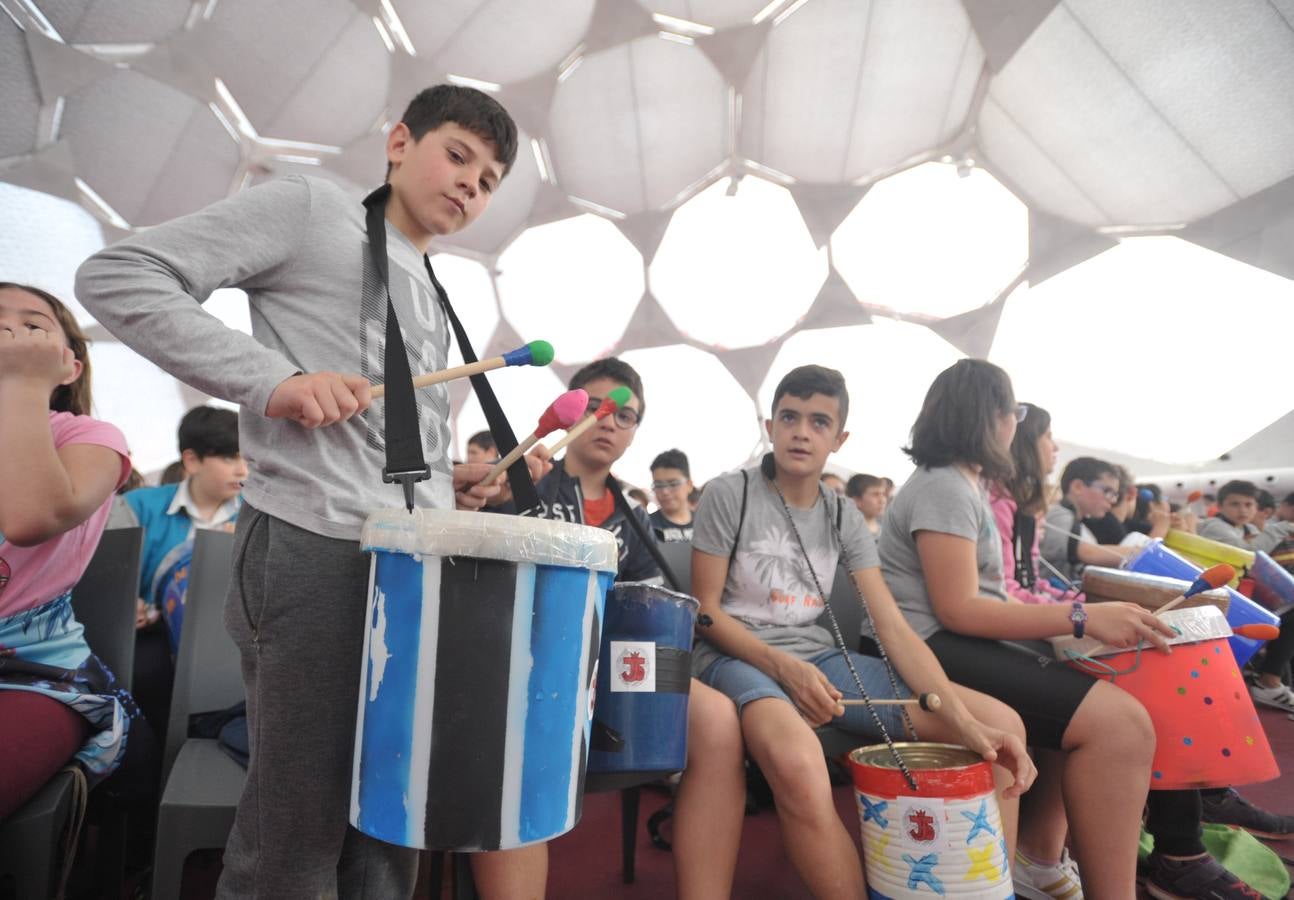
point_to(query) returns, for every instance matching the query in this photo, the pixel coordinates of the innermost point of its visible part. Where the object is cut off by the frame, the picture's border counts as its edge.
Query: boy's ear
(192, 462)
(768, 429)
(840, 440)
(398, 142)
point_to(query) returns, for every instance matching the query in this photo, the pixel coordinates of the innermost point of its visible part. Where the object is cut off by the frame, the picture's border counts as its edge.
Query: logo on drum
(633, 666)
(923, 822)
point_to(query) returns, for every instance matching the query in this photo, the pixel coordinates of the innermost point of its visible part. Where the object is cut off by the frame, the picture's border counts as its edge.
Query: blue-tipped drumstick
(536, 353)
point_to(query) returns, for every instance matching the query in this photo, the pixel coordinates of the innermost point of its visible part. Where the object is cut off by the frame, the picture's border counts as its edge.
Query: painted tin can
(943, 839)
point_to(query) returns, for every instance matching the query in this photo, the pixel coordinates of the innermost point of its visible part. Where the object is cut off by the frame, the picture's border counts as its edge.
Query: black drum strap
(405, 463)
(648, 540)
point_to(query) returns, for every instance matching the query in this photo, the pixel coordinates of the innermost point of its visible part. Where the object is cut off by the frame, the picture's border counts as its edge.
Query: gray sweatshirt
(297, 246)
(1248, 537)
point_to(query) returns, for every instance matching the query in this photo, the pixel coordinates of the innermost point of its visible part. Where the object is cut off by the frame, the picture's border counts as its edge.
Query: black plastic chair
(202, 784)
(38, 834)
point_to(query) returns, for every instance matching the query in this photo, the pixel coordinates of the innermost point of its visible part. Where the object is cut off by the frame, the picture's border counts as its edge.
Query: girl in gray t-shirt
(941, 556)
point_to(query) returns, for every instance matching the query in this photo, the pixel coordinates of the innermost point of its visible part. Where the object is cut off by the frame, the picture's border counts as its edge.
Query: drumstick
(614, 400)
(1079, 537)
(1212, 577)
(536, 353)
(561, 413)
(1258, 631)
(928, 702)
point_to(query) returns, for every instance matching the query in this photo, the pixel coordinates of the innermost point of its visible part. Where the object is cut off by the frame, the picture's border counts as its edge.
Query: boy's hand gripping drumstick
(536, 353)
(1211, 578)
(561, 413)
(614, 400)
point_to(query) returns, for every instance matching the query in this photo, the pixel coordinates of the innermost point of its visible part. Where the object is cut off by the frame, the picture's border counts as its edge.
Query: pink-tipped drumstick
(561, 413)
(613, 401)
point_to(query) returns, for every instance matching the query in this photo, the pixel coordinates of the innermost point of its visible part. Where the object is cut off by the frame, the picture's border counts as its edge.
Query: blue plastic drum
(644, 673)
(1156, 559)
(475, 701)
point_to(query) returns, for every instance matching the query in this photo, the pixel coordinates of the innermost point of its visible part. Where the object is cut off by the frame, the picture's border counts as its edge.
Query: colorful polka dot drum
(943, 839)
(1207, 733)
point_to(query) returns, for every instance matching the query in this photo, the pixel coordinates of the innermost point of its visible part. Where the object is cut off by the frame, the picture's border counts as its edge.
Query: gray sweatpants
(296, 610)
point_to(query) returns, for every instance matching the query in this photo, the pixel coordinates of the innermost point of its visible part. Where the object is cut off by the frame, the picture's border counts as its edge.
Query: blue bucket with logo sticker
(644, 673)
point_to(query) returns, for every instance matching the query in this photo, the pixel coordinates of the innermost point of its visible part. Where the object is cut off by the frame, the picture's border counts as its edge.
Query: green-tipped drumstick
(613, 401)
(536, 353)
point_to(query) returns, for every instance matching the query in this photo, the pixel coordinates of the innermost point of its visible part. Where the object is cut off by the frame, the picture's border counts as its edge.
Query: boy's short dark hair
(958, 420)
(672, 459)
(1288, 500)
(1266, 500)
(1085, 469)
(482, 439)
(858, 484)
(803, 382)
(469, 108)
(209, 431)
(1243, 488)
(617, 370)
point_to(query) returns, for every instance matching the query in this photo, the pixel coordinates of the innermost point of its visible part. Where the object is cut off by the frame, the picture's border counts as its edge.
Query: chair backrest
(849, 611)
(208, 671)
(679, 556)
(104, 600)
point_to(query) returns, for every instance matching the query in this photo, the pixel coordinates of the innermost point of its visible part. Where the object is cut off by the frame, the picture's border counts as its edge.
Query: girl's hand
(36, 356)
(1002, 748)
(814, 696)
(1121, 625)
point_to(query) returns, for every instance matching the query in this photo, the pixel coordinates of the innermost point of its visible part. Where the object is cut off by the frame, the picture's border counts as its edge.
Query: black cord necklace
(839, 636)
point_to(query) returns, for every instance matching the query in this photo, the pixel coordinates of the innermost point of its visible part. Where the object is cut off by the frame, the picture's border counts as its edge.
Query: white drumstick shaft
(463, 371)
(575, 431)
(513, 455)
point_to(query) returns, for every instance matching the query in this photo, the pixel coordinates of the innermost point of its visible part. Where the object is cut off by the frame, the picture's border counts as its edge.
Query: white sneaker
(1058, 882)
(1279, 697)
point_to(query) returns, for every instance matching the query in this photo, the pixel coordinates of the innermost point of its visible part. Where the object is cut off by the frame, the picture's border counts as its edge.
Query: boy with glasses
(671, 482)
(580, 488)
(1090, 489)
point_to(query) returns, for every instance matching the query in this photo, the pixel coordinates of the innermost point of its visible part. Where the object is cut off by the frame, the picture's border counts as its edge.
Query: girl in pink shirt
(1018, 506)
(59, 468)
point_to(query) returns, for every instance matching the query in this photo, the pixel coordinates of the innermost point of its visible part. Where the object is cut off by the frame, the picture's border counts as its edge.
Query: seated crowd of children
(963, 572)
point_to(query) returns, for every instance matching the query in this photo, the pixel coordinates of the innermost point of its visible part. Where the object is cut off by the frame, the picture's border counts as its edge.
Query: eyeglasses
(1111, 493)
(1021, 412)
(670, 485)
(625, 418)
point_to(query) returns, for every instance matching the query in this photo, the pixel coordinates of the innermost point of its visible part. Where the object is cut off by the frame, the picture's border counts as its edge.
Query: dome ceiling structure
(719, 188)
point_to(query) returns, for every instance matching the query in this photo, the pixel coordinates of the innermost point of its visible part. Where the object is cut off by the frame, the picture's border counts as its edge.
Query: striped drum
(479, 660)
(943, 839)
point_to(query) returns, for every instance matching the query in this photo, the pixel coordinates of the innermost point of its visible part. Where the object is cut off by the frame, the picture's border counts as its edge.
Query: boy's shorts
(743, 683)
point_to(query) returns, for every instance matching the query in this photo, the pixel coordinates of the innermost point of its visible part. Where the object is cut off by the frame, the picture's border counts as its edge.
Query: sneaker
(1229, 808)
(1279, 697)
(1035, 881)
(1198, 878)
